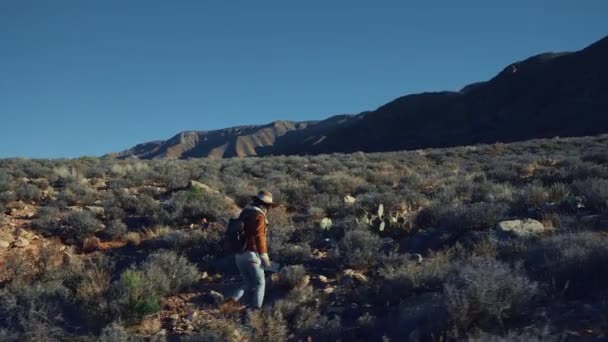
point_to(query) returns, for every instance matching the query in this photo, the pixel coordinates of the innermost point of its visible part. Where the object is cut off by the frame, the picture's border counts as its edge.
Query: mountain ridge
(546, 95)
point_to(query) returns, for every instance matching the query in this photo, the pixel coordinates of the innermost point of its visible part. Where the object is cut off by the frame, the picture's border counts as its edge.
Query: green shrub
(136, 297)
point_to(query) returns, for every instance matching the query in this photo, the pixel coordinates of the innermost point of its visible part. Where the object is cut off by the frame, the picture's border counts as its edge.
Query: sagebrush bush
(78, 193)
(486, 291)
(532, 196)
(6, 181)
(115, 332)
(268, 326)
(290, 276)
(28, 193)
(570, 262)
(169, 273)
(79, 225)
(116, 229)
(191, 205)
(36, 311)
(476, 216)
(595, 192)
(402, 277)
(291, 253)
(358, 249)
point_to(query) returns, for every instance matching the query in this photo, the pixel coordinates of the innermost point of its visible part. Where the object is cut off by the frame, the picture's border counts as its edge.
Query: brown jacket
(255, 230)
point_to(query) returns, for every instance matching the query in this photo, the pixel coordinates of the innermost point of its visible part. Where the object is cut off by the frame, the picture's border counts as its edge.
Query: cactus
(326, 223)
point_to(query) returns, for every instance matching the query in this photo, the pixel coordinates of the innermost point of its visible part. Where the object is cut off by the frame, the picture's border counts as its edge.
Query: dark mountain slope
(552, 94)
(543, 96)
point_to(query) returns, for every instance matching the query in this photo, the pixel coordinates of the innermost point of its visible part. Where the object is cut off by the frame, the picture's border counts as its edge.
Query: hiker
(254, 258)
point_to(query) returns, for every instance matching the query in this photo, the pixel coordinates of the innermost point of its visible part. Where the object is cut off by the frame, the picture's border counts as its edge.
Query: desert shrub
(430, 216)
(339, 184)
(6, 181)
(486, 291)
(570, 262)
(134, 296)
(173, 175)
(537, 335)
(402, 277)
(268, 326)
(291, 253)
(114, 332)
(492, 192)
(78, 193)
(28, 193)
(290, 276)
(559, 192)
(192, 205)
(532, 196)
(358, 249)
(595, 192)
(132, 238)
(79, 225)
(35, 311)
(7, 196)
(47, 219)
(168, 273)
(116, 229)
(474, 216)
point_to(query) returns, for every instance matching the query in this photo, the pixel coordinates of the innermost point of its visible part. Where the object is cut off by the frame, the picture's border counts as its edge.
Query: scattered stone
(348, 199)
(525, 227)
(352, 276)
(415, 257)
(21, 242)
(329, 290)
(193, 315)
(303, 282)
(4, 244)
(95, 210)
(91, 244)
(201, 186)
(217, 297)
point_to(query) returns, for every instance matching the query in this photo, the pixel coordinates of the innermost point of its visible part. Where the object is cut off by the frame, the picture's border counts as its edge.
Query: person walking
(254, 258)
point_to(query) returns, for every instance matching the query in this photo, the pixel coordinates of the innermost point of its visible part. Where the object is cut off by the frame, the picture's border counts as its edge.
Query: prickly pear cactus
(326, 223)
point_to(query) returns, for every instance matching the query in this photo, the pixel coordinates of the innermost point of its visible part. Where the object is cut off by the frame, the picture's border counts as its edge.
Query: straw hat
(264, 197)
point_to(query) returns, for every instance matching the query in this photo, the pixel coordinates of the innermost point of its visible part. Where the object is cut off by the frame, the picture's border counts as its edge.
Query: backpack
(234, 239)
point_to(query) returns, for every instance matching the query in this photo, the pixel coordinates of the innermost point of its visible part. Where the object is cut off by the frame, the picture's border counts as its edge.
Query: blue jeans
(254, 283)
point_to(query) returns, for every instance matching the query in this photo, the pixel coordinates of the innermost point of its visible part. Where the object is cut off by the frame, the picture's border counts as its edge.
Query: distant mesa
(548, 95)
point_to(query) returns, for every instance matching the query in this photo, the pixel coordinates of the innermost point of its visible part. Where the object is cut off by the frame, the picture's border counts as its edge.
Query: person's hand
(266, 261)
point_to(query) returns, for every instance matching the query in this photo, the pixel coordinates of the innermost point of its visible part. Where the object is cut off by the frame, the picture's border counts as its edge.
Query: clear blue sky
(90, 77)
